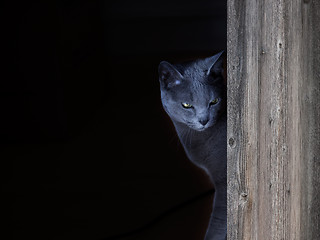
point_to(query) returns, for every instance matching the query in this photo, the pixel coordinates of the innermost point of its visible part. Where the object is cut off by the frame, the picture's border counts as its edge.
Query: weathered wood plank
(273, 119)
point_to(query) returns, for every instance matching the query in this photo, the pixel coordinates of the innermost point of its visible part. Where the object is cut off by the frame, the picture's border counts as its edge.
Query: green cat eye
(214, 101)
(186, 105)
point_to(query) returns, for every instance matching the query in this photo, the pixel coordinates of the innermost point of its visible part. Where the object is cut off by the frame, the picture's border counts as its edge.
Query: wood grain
(273, 119)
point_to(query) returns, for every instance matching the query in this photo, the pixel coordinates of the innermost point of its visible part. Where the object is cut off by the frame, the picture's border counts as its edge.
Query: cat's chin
(198, 129)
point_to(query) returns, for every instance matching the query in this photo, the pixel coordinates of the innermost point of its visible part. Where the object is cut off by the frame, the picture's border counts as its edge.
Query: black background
(87, 151)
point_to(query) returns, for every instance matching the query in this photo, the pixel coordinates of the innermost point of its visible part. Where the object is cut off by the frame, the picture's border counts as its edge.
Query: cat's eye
(186, 105)
(214, 101)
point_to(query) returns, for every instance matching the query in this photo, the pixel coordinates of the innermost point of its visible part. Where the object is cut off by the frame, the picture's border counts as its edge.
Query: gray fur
(202, 128)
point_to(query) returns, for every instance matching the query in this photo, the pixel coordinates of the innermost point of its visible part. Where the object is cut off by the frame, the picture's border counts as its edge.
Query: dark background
(86, 150)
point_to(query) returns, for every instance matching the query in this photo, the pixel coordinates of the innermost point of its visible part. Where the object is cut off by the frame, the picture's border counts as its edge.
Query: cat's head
(194, 93)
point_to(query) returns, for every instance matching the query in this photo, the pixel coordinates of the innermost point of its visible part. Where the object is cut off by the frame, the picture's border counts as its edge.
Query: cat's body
(194, 96)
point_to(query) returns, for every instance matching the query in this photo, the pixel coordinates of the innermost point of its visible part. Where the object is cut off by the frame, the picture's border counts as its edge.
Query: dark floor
(86, 150)
(90, 188)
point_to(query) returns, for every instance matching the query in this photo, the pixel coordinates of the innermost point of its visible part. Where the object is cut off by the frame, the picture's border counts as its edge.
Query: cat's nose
(204, 121)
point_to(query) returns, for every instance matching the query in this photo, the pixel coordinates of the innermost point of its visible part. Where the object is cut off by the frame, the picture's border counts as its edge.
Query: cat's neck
(207, 149)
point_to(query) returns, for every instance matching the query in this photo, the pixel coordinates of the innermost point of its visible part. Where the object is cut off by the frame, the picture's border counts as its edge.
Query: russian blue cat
(194, 95)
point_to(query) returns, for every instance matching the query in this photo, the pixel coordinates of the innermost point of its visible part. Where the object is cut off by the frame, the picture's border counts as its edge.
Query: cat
(194, 95)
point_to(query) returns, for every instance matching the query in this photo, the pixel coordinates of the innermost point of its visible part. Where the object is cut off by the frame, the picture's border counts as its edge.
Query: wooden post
(273, 119)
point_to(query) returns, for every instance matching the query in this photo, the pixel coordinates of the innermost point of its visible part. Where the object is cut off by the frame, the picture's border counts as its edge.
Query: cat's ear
(217, 67)
(169, 76)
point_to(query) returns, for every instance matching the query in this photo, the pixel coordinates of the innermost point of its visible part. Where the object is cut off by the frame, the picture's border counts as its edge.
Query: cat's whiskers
(192, 135)
(187, 137)
(184, 135)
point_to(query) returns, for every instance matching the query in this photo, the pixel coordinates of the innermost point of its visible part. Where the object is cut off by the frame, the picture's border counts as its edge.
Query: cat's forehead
(197, 71)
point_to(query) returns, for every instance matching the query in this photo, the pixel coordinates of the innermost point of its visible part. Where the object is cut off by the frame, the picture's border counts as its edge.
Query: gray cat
(194, 95)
